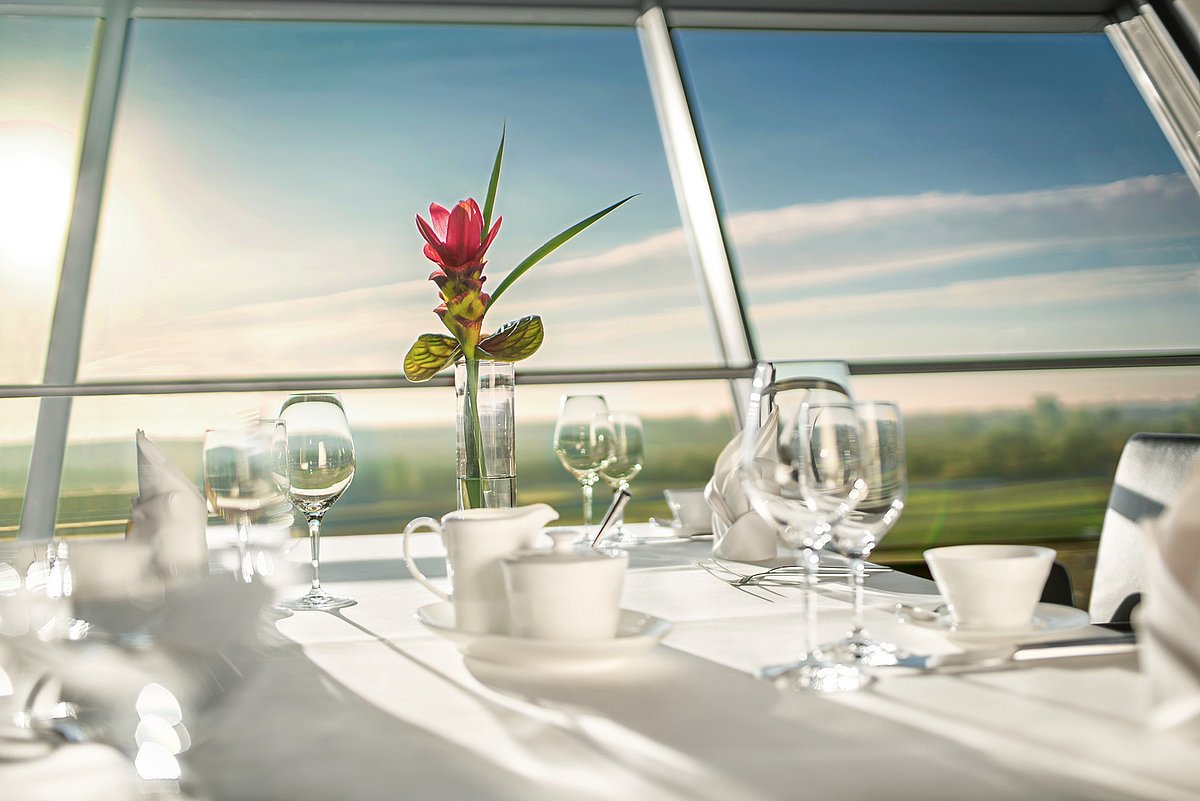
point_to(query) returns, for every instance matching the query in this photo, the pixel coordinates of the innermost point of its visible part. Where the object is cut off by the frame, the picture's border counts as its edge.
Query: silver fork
(789, 574)
(719, 572)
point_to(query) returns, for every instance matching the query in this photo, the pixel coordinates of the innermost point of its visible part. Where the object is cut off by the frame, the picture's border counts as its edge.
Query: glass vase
(487, 464)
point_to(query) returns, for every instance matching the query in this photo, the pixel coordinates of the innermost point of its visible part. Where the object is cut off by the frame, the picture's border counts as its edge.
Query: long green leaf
(489, 202)
(548, 248)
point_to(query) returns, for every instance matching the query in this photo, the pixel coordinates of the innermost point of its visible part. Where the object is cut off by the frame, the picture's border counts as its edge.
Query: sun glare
(36, 178)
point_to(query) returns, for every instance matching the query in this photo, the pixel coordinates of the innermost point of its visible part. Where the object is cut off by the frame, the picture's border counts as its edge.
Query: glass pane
(259, 217)
(404, 442)
(18, 417)
(1024, 456)
(925, 195)
(43, 81)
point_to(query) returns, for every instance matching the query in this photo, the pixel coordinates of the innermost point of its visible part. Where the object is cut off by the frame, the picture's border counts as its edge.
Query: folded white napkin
(739, 533)
(169, 514)
(1168, 619)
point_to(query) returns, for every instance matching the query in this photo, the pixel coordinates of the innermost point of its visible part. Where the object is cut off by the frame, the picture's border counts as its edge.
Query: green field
(1040, 474)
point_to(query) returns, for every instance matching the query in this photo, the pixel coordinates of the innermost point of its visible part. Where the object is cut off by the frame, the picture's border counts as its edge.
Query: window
(404, 443)
(259, 213)
(43, 78)
(938, 195)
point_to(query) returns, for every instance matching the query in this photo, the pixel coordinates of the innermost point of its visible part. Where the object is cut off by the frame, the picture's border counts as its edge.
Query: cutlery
(712, 568)
(784, 575)
(1020, 655)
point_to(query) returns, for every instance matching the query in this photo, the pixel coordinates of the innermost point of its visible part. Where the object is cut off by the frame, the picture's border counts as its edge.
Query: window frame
(688, 160)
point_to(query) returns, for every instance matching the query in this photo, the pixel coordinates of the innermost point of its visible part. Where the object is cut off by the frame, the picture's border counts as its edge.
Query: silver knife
(1020, 655)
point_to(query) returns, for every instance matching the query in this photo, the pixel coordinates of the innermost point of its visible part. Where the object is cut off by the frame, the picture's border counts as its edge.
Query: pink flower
(454, 239)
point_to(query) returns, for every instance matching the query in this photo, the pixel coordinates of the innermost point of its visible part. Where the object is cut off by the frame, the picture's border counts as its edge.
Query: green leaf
(489, 202)
(430, 353)
(514, 341)
(548, 248)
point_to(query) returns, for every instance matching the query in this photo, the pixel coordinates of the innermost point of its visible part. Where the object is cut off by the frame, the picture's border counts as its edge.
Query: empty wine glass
(320, 458)
(628, 454)
(583, 441)
(857, 534)
(242, 478)
(776, 465)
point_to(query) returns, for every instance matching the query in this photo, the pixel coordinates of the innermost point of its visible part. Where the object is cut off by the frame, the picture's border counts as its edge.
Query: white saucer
(636, 633)
(1048, 620)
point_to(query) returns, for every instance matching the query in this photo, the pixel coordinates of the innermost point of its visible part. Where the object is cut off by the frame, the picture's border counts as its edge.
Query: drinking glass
(242, 478)
(628, 455)
(320, 459)
(583, 441)
(776, 465)
(857, 534)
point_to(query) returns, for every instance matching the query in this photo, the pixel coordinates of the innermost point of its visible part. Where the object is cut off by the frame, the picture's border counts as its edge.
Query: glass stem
(858, 572)
(586, 486)
(314, 541)
(812, 560)
(243, 532)
(619, 523)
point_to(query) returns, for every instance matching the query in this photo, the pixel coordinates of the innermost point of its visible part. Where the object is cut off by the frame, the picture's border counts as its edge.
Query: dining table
(367, 702)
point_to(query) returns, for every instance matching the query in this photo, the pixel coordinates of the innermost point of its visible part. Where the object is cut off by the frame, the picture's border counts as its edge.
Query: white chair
(1149, 474)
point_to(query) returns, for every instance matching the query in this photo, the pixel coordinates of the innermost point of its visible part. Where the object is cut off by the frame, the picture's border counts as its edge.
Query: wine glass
(583, 441)
(776, 464)
(857, 534)
(628, 455)
(242, 478)
(320, 458)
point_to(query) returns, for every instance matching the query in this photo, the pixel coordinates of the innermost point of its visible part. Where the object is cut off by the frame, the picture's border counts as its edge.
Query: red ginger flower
(455, 240)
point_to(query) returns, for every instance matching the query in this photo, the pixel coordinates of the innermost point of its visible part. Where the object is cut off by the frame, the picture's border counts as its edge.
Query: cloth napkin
(739, 533)
(169, 514)
(1168, 619)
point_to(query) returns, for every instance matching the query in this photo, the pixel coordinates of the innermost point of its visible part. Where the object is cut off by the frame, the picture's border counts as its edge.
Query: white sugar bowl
(567, 592)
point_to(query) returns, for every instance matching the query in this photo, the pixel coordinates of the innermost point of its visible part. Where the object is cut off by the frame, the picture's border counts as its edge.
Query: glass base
(859, 647)
(317, 600)
(818, 672)
(620, 535)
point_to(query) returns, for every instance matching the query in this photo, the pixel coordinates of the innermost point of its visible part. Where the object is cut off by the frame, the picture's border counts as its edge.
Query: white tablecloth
(367, 704)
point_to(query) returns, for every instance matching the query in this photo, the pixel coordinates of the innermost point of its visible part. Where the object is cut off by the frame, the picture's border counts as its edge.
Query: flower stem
(474, 439)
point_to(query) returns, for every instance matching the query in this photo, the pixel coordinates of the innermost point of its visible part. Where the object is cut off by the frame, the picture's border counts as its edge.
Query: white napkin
(169, 514)
(739, 533)
(1168, 618)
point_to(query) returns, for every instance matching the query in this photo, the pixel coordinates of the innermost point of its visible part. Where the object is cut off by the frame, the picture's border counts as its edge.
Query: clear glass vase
(487, 463)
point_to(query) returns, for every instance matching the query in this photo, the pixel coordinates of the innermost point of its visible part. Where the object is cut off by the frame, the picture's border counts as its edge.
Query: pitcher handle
(432, 525)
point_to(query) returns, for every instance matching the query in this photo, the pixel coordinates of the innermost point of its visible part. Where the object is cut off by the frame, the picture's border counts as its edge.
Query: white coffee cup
(568, 592)
(691, 511)
(990, 586)
(476, 540)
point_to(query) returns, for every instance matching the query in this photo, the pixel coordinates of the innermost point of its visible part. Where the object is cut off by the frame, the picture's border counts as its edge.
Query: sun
(37, 164)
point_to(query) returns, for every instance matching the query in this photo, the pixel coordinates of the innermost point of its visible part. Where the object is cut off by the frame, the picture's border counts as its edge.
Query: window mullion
(66, 331)
(693, 192)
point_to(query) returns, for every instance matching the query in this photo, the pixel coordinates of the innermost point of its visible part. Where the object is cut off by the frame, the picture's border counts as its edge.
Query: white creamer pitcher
(476, 540)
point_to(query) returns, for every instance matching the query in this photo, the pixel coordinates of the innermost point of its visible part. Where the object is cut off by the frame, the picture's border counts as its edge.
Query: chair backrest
(1150, 473)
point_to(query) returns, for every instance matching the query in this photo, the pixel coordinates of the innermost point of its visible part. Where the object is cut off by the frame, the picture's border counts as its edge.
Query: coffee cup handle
(432, 525)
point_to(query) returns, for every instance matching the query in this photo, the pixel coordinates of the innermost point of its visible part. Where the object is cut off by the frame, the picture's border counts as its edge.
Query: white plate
(1048, 620)
(636, 633)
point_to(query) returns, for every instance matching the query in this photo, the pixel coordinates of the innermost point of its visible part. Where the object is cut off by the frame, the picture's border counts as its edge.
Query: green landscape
(1037, 474)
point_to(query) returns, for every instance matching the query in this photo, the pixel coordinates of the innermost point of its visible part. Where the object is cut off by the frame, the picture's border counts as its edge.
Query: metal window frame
(699, 209)
(1165, 80)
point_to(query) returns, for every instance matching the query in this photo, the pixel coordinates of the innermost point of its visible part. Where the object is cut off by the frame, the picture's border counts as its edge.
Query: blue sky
(887, 196)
